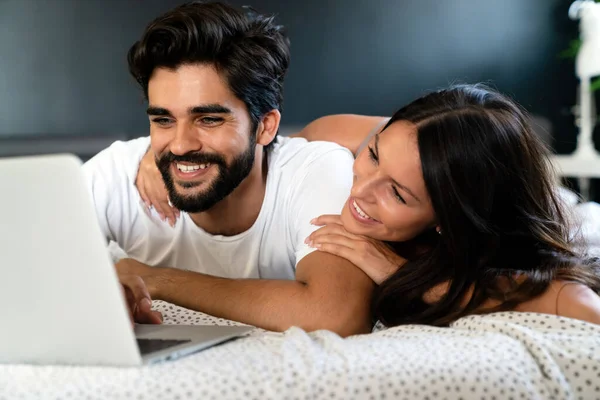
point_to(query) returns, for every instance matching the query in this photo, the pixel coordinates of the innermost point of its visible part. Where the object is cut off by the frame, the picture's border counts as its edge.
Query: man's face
(201, 135)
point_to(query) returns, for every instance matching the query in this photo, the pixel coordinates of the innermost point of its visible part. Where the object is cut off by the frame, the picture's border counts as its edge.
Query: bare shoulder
(579, 302)
(348, 130)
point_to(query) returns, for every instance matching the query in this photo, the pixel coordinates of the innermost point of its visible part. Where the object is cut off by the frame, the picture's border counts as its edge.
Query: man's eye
(211, 120)
(161, 121)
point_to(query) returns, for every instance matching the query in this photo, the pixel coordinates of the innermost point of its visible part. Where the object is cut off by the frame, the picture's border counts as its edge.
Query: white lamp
(584, 163)
(587, 66)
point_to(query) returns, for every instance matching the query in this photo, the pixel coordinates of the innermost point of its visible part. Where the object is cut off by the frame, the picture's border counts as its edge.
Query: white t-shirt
(304, 180)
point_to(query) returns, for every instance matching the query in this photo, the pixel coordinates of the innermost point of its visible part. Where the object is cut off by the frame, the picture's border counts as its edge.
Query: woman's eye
(372, 155)
(398, 196)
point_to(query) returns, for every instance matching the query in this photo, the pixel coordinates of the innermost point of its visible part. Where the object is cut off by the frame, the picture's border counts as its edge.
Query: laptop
(60, 298)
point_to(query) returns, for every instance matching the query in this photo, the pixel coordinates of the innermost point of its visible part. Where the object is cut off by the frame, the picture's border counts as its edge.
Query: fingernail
(306, 241)
(312, 221)
(310, 243)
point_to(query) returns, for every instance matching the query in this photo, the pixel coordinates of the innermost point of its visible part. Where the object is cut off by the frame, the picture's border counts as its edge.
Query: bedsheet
(503, 356)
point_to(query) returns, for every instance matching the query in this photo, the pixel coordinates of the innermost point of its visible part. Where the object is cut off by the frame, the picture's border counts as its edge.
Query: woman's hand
(151, 186)
(373, 257)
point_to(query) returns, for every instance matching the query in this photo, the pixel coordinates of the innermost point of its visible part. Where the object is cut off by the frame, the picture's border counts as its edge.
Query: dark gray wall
(63, 68)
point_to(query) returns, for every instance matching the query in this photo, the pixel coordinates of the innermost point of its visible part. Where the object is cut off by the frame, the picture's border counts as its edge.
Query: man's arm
(328, 293)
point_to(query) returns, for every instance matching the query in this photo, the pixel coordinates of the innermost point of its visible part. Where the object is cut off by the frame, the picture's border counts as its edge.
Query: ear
(267, 127)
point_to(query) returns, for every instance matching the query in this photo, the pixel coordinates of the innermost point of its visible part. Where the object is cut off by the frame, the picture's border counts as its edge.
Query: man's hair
(249, 51)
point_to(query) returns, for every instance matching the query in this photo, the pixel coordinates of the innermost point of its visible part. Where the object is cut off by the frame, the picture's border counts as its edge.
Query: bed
(497, 356)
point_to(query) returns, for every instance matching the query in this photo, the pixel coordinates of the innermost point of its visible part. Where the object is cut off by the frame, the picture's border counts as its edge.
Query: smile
(191, 168)
(359, 214)
(189, 171)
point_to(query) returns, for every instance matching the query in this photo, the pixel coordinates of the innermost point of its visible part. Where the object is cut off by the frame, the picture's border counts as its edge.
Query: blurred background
(64, 84)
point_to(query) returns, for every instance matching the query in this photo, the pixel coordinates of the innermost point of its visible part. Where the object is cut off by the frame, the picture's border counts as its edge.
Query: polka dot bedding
(497, 356)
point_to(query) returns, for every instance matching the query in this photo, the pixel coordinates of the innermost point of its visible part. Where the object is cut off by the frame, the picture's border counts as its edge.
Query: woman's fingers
(327, 219)
(338, 250)
(340, 245)
(160, 201)
(152, 189)
(330, 229)
(142, 190)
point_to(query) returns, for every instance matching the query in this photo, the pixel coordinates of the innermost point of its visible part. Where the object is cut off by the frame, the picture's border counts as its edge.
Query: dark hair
(495, 199)
(248, 50)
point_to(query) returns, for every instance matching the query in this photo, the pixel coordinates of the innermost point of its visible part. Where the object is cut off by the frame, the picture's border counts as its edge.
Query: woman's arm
(348, 130)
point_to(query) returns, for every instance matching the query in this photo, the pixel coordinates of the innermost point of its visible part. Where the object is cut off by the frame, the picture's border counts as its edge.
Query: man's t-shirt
(304, 180)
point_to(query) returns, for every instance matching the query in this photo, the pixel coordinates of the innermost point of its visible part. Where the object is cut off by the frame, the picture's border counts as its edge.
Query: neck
(237, 212)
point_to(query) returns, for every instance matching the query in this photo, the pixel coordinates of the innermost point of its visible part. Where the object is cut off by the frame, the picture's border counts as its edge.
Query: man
(213, 78)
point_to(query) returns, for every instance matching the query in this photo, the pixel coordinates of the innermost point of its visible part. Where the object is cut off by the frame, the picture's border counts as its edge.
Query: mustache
(194, 158)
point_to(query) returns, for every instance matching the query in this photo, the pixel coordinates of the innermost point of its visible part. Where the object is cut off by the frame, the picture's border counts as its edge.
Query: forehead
(189, 86)
(399, 156)
(398, 144)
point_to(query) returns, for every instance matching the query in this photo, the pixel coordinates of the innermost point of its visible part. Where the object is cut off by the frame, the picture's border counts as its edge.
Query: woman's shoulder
(575, 300)
(566, 299)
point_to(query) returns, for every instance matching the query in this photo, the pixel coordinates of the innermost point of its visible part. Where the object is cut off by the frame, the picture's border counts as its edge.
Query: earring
(438, 230)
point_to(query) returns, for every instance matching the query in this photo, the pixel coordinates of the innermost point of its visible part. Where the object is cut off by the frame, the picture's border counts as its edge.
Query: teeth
(360, 211)
(191, 168)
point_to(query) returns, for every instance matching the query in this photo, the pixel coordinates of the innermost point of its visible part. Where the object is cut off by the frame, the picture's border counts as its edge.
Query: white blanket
(502, 356)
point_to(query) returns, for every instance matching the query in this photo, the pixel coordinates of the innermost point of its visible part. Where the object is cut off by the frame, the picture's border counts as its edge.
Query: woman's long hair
(504, 233)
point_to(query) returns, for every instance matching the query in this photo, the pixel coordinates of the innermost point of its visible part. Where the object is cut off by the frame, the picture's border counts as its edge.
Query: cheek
(228, 141)
(159, 142)
(405, 224)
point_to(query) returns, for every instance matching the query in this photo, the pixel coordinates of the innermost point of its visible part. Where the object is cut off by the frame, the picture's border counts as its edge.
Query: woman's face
(388, 200)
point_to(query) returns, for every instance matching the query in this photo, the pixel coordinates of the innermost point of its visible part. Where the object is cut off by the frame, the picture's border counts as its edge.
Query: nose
(364, 187)
(185, 140)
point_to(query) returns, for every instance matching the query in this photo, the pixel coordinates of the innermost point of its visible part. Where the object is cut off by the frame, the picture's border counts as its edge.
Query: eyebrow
(404, 188)
(203, 109)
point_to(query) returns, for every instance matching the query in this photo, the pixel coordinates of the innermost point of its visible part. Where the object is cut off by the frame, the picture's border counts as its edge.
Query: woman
(453, 212)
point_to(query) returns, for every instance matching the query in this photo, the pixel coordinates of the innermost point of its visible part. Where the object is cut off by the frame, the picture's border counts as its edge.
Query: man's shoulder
(120, 158)
(297, 153)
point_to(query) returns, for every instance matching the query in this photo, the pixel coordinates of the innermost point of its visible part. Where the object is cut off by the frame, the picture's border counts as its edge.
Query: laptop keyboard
(148, 346)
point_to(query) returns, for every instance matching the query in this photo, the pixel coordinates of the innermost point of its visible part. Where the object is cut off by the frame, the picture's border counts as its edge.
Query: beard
(228, 177)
